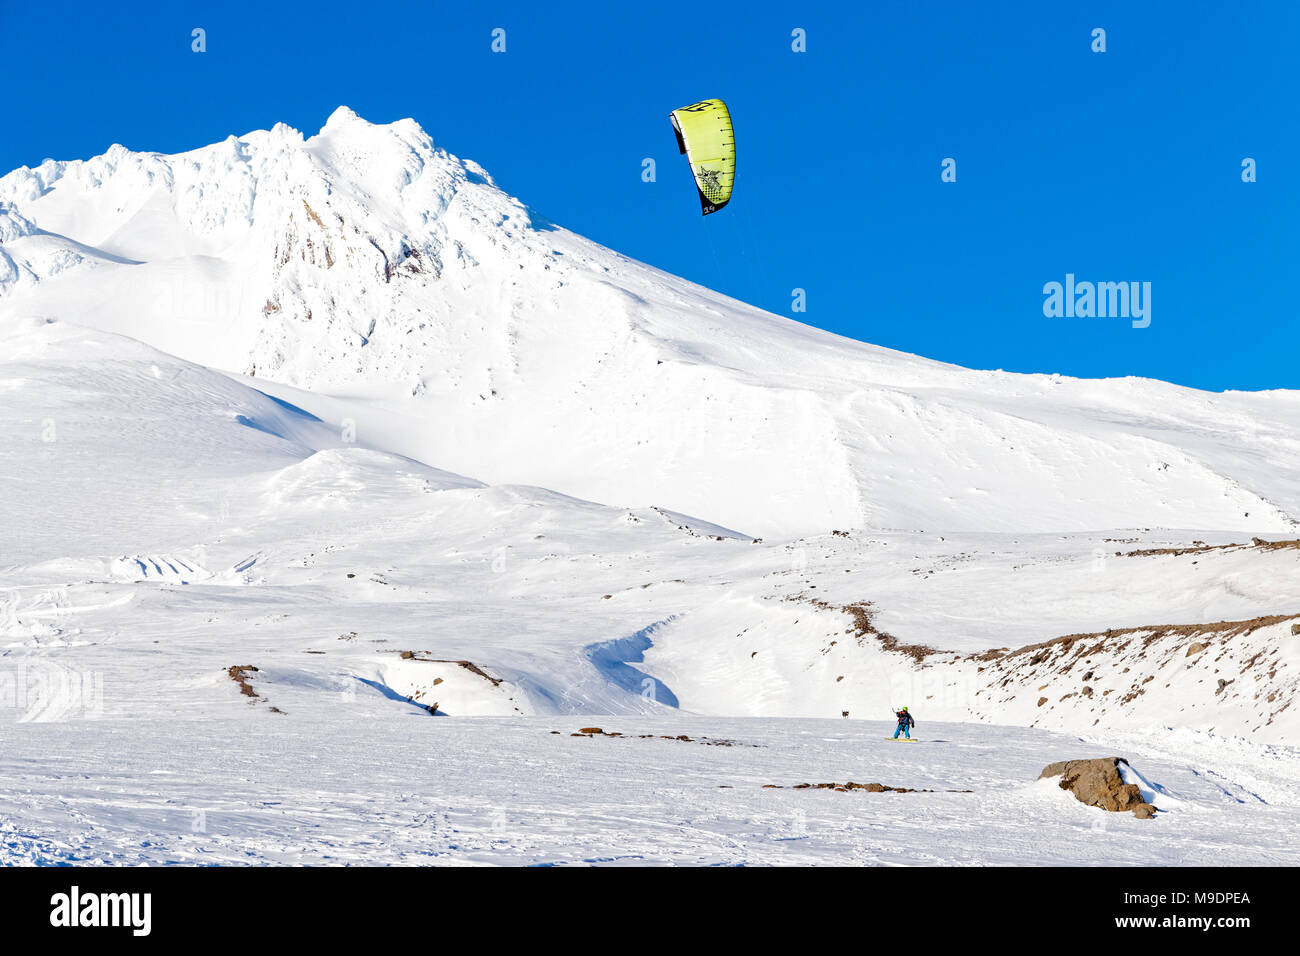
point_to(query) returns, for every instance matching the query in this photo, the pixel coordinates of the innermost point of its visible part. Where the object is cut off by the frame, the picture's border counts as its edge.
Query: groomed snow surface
(340, 490)
(355, 785)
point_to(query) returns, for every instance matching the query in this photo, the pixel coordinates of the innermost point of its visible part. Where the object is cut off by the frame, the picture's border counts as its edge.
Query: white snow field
(335, 481)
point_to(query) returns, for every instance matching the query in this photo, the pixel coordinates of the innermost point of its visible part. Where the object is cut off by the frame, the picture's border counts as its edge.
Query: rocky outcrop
(1099, 783)
(1226, 677)
(846, 787)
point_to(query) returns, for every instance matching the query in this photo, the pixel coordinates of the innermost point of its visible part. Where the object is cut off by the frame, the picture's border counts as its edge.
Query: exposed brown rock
(1098, 783)
(1200, 547)
(863, 627)
(240, 674)
(1224, 629)
(707, 741)
(846, 787)
(467, 665)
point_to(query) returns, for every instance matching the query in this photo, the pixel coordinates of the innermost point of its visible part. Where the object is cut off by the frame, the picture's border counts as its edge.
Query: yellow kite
(705, 135)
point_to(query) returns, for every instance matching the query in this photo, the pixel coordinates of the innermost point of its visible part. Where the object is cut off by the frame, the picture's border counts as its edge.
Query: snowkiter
(905, 723)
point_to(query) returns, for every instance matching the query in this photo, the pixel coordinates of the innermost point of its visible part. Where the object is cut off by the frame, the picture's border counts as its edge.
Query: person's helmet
(904, 708)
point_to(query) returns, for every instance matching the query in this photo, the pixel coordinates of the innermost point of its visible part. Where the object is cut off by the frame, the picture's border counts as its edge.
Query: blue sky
(1115, 166)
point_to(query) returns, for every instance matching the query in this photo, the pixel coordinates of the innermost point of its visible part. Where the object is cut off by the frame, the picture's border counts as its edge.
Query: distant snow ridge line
(493, 343)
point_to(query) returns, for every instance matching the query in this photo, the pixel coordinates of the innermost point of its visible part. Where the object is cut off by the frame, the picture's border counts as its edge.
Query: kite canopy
(705, 135)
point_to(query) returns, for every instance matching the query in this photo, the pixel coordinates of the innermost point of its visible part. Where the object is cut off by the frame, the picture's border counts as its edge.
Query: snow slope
(151, 498)
(364, 261)
(509, 792)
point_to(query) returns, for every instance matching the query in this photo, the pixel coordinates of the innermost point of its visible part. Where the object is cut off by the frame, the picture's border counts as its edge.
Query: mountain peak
(342, 117)
(369, 259)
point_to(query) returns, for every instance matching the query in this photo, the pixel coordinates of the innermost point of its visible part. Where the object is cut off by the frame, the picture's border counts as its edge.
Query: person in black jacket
(905, 723)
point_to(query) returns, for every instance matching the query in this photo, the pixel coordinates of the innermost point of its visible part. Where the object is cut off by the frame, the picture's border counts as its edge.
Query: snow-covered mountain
(307, 440)
(366, 261)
